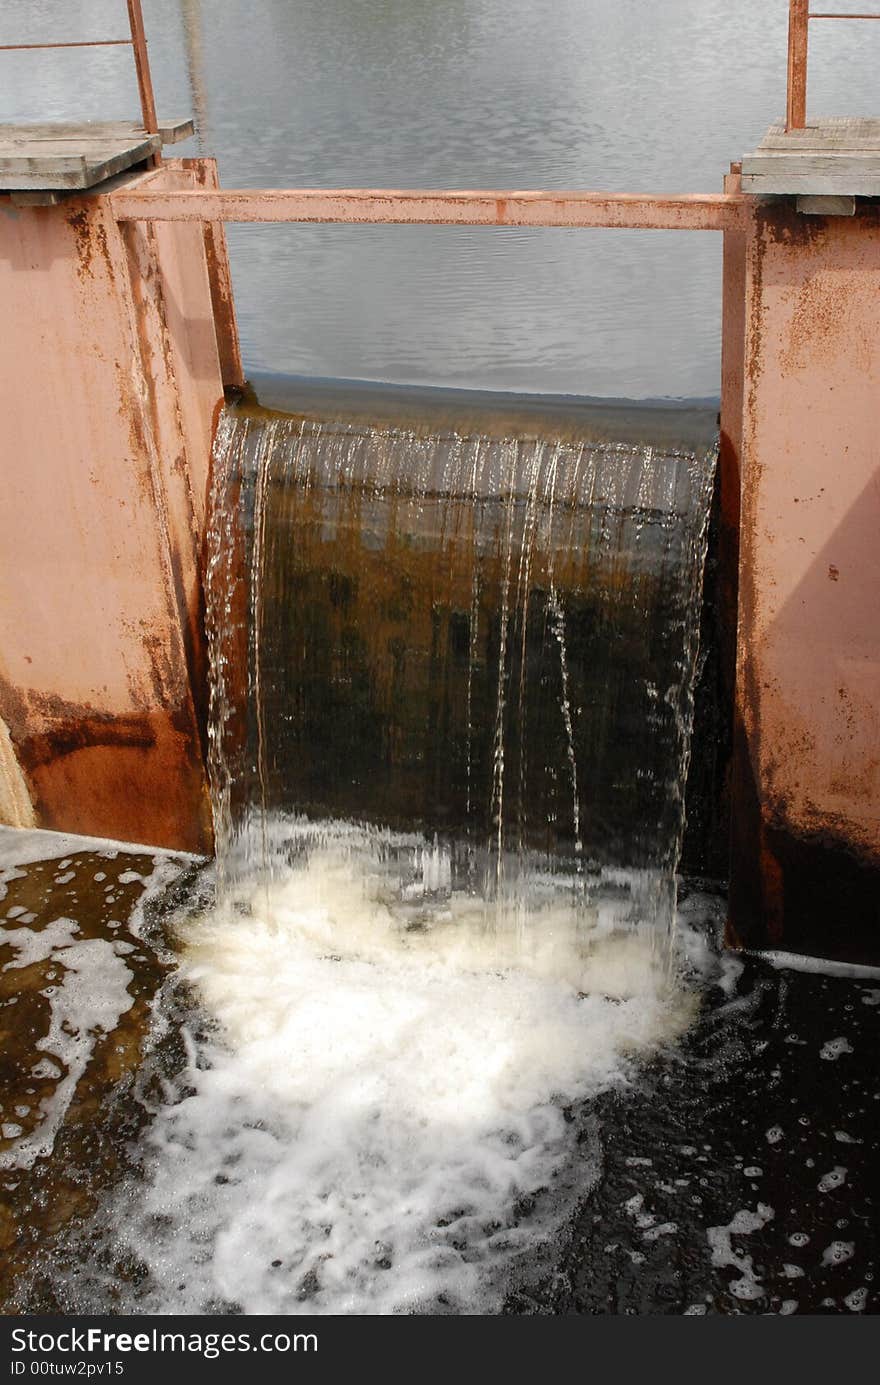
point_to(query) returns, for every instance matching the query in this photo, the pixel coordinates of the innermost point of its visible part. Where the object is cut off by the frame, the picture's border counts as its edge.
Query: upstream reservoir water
(620, 94)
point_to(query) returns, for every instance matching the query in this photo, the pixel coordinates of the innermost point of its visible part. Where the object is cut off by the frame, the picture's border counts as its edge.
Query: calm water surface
(616, 94)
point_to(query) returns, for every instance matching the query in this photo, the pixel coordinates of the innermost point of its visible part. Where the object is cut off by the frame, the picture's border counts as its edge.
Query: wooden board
(65, 157)
(838, 156)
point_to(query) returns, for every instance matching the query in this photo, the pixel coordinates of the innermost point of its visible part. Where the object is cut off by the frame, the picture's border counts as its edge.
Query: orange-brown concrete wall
(805, 869)
(110, 384)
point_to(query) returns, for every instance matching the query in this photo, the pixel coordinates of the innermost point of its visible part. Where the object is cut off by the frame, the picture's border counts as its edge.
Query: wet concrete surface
(738, 1172)
(77, 986)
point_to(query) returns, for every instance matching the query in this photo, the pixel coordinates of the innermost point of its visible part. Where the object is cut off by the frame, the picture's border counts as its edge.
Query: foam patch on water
(88, 1001)
(816, 966)
(91, 993)
(378, 1119)
(26, 846)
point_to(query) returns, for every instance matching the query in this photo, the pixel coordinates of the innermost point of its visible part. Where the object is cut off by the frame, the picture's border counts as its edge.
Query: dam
(482, 754)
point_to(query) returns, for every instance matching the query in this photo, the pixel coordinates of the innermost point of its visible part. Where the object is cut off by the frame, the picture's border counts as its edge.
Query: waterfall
(487, 642)
(452, 679)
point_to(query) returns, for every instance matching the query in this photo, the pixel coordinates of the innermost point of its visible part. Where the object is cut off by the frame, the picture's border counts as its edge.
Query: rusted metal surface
(805, 868)
(171, 294)
(142, 68)
(80, 43)
(686, 212)
(220, 279)
(110, 380)
(798, 39)
(733, 328)
(799, 17)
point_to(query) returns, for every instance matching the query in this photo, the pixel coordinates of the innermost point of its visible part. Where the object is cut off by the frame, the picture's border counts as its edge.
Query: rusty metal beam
(142, 68)
(684, 212)
(796, 97)
(79, 43)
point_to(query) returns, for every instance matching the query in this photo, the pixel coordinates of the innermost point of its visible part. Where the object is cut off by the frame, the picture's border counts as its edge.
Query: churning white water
(381, 1114)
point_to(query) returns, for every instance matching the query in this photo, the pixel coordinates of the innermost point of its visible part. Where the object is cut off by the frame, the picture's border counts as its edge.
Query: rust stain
(81, 224)
(822, 324)
(133, 776)
(91, 236)
(86, 730)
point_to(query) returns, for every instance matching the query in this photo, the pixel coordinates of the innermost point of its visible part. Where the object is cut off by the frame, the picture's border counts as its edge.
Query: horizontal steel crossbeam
(649, 211)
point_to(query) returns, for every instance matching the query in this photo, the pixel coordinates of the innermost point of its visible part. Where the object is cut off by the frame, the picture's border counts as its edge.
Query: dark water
(619, 94)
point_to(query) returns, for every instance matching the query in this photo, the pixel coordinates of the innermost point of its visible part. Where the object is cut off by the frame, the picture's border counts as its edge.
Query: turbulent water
(452, 683)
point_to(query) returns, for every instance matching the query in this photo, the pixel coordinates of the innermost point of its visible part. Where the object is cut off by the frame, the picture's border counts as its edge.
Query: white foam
(838, 1252)
(744, 1223)
(818, 966)
(835, 1178)
(21, 846)
(92, 994)
(360, 1131)
(88, 1002)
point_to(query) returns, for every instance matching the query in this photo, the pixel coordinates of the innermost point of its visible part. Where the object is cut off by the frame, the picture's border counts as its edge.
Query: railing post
(796, 102)
(142, 67)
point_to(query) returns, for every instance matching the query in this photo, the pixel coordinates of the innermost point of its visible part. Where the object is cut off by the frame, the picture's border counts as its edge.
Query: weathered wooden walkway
(837, 156)
(61, 157)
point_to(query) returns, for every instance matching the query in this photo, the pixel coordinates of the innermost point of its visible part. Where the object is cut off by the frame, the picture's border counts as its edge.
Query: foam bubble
(835, 1178)
(743, 1223)
(838, 1252)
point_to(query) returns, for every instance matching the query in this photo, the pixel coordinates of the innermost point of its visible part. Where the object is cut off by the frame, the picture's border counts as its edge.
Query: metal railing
(799, 16)
(138, 44)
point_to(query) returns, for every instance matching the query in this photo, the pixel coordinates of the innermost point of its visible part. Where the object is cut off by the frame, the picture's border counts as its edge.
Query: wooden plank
(805, 165)
(90, 131)
(830, 185)
(838, 156)
(48, 151)
(174, 131)
(52, 165)
(838, 133)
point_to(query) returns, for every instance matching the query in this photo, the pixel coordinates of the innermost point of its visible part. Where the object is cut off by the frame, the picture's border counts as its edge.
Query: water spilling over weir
(490, 641)
(452, 683)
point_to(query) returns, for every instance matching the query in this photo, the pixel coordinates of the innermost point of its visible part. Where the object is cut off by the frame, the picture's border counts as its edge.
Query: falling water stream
(451, 699)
